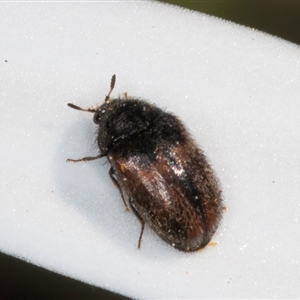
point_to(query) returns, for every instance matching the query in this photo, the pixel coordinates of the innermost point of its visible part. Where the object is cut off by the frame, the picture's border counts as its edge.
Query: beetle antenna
(79, 108)
(112, 85)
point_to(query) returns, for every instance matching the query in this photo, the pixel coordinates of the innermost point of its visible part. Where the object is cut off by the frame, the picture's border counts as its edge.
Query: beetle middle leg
(117, 185)
(141, 221)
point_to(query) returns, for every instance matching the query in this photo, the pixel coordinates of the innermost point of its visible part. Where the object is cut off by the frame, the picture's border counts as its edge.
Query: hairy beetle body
(154, 162)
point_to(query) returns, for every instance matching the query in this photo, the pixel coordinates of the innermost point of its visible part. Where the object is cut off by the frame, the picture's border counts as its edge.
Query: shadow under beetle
(154, 162)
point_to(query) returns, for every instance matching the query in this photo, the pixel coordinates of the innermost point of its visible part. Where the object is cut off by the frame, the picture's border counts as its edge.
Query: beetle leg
(116, 183)
(141, 221)
(88, 158)
(126, 96)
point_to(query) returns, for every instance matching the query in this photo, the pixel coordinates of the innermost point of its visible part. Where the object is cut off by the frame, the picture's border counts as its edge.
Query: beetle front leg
(88, 158)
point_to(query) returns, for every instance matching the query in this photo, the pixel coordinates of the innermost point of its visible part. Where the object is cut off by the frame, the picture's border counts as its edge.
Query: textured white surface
(236, 89)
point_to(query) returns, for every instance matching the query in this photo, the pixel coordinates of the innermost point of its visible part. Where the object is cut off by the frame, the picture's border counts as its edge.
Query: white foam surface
(236, 89)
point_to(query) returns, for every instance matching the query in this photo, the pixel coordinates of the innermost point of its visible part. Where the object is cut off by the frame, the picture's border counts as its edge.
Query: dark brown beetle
(155, 162)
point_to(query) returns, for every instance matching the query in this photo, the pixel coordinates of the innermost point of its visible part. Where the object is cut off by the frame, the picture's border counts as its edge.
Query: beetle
(155, 162)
